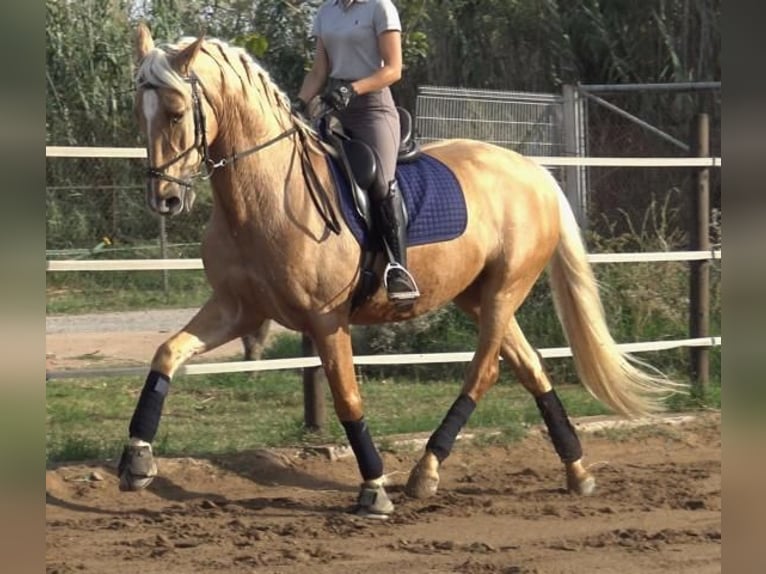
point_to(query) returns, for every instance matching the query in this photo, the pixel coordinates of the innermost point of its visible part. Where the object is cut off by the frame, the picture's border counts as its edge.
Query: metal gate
(530, 123)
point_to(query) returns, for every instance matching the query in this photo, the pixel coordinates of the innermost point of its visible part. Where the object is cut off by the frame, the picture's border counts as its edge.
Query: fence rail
(310, 362)
(394, 359)
(123, 153)
(183, 264)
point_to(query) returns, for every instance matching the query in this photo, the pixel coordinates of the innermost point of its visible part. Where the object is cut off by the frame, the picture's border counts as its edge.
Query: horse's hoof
(584, 486)
(424, 478)
(373, 501)
(136, 468)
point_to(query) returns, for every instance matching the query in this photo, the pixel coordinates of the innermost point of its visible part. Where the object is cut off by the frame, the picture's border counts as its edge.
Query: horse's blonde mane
(237, 69)
(234, 62)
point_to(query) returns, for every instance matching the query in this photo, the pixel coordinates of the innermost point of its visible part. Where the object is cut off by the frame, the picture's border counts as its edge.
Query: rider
(358, 56)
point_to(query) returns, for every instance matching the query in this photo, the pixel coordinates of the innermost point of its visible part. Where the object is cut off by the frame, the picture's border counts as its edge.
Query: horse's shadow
(264, 468)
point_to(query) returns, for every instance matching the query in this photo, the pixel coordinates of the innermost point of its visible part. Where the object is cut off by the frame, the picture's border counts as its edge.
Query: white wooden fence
(398, 359)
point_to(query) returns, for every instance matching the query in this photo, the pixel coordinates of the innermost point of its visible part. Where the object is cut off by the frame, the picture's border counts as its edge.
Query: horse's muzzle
(171, 200)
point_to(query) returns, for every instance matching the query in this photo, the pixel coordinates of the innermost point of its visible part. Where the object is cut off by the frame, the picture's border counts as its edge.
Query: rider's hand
(339, 95)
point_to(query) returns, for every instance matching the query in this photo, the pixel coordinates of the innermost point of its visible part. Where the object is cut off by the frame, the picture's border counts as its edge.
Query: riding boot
(399, 283)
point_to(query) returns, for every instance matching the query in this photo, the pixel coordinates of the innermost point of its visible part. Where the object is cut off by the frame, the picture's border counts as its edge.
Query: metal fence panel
(529, 123)
(533, 124)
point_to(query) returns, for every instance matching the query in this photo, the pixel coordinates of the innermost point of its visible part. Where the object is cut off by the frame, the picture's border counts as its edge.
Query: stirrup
(412, 293)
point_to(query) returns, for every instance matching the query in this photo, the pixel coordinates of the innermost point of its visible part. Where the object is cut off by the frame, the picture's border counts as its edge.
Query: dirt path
(120, 339)
(499, 510)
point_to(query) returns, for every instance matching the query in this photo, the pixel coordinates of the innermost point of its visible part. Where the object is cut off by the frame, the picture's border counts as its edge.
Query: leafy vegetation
(525, 45)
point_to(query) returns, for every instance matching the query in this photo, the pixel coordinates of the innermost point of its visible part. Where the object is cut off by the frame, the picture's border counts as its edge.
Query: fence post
(575, 186)
(699, 276)
(164, 254)
(313, 389)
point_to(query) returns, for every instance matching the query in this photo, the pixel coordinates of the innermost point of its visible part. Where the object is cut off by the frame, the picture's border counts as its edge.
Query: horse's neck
(264, 192)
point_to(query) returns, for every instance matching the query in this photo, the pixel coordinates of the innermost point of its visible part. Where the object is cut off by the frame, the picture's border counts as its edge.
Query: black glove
(338, 95)
(299, 108)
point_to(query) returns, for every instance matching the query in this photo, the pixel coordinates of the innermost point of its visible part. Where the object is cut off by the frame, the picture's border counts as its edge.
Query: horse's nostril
(173, 204)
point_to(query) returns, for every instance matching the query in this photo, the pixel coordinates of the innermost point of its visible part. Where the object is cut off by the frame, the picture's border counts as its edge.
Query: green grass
(93, 291)
(219, 414)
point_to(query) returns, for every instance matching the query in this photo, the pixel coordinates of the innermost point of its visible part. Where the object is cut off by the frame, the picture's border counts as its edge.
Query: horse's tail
(627, 385)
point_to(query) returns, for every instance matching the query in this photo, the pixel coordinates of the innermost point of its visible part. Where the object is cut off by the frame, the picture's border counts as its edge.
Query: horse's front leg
(333, 343)
(254, 343)
(212, 326)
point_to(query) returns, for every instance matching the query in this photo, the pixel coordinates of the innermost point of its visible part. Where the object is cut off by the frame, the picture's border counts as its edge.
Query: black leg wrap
(367, 457)
(443, 439)
(146, 417)
(560, 429)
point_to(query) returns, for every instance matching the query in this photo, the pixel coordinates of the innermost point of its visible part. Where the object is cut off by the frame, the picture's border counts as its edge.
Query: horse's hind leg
(481, 374)
(210, 327)
(254, 343)
(526, 363)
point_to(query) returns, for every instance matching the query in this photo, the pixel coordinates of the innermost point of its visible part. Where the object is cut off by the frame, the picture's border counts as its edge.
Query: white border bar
(630, 161)
(123, 264)
(95, 152)
(403, 359)
(121, 152)
(654, 256)
(178, 264)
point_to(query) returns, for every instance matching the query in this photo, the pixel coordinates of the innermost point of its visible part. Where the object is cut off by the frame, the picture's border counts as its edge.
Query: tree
(525, 45)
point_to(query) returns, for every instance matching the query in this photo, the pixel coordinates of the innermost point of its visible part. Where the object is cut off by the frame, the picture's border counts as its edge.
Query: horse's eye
(176, 118)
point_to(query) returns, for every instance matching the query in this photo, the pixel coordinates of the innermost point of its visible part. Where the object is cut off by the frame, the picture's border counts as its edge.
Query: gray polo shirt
(350, 35)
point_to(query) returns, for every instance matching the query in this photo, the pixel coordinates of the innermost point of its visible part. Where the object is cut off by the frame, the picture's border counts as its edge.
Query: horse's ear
(183, 60)
(144, 42)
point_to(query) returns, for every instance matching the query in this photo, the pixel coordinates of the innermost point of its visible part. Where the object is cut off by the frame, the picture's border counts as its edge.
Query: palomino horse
(274, 250)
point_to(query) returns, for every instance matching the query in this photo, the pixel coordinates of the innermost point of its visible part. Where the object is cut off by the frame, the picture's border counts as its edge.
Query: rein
(317, 192)
(238, 155)
(321, 200)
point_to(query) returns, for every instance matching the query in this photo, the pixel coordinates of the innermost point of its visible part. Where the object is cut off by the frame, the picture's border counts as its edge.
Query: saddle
(359, 164)
(358, 161)
(434, 205)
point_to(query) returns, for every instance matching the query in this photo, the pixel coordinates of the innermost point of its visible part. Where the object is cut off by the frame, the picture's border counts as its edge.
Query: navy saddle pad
(434, 200)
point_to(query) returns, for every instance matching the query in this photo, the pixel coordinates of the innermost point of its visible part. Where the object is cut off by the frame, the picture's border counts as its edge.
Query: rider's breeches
(373, 118)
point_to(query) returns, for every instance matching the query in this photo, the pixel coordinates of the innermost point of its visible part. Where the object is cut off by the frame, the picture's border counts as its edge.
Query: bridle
(207, 165)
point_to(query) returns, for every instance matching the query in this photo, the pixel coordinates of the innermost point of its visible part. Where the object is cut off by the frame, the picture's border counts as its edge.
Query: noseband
(207, 164)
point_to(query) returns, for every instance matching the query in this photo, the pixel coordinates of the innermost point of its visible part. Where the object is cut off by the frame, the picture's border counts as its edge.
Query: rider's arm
(390, 46)
(315, 80)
